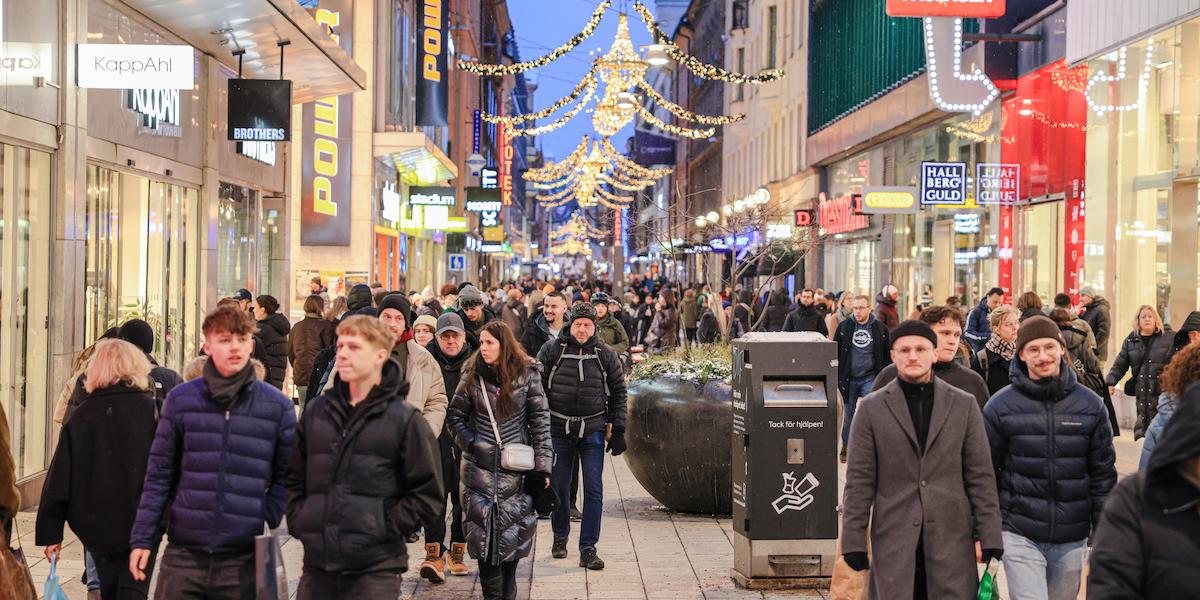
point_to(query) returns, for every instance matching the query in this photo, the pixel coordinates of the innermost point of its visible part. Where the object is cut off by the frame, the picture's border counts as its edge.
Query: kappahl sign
(134, 66)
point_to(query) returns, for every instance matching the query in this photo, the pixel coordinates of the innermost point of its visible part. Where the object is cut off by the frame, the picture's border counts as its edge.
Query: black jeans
(116, 582)
(498, 582)
(316, 584)
(435, 532)
(193, 574)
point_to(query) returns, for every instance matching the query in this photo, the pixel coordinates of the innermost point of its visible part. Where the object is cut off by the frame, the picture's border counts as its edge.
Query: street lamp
(656, 55)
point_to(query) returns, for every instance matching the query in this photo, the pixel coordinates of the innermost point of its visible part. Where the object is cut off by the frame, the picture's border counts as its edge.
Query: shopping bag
(16, 583)
(846, 583)
(987, 584)
(270, 578)
(52, 590)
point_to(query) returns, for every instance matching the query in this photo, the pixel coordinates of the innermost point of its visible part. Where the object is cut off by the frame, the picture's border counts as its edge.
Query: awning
(317, 66)
(415, 157)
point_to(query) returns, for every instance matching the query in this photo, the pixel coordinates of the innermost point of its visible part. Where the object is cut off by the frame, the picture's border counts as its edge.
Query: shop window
(25, 201)
(237, 208)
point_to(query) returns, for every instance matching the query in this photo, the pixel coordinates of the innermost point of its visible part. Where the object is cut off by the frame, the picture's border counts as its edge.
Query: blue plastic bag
(53, 589)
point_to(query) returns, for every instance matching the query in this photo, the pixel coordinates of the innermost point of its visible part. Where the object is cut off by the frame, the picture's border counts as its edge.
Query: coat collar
(894, 400)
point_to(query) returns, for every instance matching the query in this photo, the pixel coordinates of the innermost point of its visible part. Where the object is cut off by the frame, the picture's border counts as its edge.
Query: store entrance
(1038, 257)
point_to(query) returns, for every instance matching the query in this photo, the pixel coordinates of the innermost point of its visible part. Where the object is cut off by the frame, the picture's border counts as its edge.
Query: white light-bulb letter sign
(1101, 77)
(953, 90)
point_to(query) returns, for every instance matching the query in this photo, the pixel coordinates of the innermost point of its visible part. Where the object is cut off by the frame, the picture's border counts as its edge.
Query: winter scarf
(223, 390)
(999, 345)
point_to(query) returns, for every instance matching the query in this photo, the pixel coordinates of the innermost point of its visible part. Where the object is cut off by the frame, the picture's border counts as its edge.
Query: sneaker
(589, 559)
(576, 516)
(842, 455)
(457, 560)
(560, 549)
(433, 568)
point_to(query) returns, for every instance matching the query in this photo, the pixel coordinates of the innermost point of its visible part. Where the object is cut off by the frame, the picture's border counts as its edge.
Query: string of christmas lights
(684, 113)
(495, 70)
(628, 164)
(567, 116)
(694, 64)
(588, 79)
(696, 134)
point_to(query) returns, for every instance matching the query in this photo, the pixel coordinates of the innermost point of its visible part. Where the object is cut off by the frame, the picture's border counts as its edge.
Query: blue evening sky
(542, 25)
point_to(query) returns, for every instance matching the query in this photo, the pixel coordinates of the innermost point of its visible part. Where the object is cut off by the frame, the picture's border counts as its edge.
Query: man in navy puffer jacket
(218, 460)
(1053, 454)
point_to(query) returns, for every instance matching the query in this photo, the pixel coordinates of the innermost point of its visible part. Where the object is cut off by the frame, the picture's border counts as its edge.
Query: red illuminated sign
(805, 218)
(975, 9)
(839, 216)
(506, 158)
(1005, 253)
(1073, 244)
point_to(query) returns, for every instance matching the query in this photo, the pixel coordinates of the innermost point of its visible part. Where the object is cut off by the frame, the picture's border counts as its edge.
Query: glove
(990, 553)
(616, 444)
(857, 560)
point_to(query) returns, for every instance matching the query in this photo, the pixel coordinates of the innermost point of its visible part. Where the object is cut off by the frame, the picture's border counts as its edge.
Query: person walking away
(500, 402)
(742, 321)
(336, 309)
(585, 388)
(665, 328)
(608, 328)
(991, 362)
(1143, 354)
(645, 316)
(1081, 356)
(99, 465)
(546, 325)
(947, 323)
(979, 325)
(424, 332)
(514, 313)
(311, 335)
(1147, 543)
(921, 480)
(225, 437)
(361, 449)
(886, 309)
(712, 322)
(776, 313)
(1098, 314)
(1181, 373)
(273, 328)
(474, 313)
(844, 311)
(451, 352)
(1051, 446)
(689, 314)
(806, 317)
(862, 354)
(1030, 305)
(1063, 301)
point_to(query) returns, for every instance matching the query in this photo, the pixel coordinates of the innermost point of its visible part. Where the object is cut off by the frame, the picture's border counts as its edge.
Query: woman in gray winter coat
(498, 504)
(1144, 354)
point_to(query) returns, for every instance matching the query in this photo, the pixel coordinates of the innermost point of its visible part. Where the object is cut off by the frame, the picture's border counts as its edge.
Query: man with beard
(545, 325)
(806, 317)
(473, 312)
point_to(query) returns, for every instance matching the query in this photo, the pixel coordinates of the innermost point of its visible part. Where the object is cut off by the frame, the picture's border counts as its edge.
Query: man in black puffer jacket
(1148, 539)
(806, 317)
(1053, 454)
(585, 386)
(364, 473)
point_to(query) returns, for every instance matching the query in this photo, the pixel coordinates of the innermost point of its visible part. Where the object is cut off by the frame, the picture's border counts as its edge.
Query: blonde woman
(95, 478)
(1143, 354)
(713, 325)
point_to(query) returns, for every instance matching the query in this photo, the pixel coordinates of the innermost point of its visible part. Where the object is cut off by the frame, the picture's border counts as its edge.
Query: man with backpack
(585, 386)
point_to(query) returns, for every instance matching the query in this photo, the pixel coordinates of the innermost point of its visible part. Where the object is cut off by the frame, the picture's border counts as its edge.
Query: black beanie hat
(139, 333)
(397, 302)
(359, 297)
(1036, 328)
(917, 328)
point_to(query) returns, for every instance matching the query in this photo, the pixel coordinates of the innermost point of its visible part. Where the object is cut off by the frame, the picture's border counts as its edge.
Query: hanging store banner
(433, 74)
(893, 200)
(997, 184)
(976, 9)
(651, 150)
(325, 155)
(943, 183)
(134, 66)
(260, 110)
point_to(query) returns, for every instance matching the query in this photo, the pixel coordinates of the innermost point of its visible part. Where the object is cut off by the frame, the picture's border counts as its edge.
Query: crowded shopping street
(600, 299)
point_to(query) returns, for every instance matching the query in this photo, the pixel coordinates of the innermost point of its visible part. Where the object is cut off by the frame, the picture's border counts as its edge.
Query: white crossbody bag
(513, 457)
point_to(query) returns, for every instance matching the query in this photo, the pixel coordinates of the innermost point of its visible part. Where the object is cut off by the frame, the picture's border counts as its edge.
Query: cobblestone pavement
(651, 554)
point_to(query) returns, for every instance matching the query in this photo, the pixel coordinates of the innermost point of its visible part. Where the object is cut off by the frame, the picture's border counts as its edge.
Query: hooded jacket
(1132, 357)
(1190, 324)
(886, 311)
(979, 328)
(273, 331)
(584, 385)
(1147, 543)
(536, 334)
(1053, 454)
(806, 318)
(360, 480)
(1099, 317)
(99, 466)
(472, 328)
(612, 332)
(775, 316)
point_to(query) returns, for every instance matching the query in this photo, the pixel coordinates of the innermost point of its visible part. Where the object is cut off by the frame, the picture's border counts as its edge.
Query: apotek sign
(976, 9)
(132, 66)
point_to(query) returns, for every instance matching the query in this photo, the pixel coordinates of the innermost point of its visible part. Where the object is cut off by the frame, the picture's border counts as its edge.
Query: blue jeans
(855, 389)
(1037, 571)
(590, 450)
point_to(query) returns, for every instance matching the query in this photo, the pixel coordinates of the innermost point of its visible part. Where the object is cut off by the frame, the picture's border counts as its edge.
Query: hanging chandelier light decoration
(496, 70)
(694, 64)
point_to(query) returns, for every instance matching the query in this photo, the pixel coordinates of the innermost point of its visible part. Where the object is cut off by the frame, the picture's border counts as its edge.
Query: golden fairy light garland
(494, 70)
(559, 195)
(684, 113)
(629, 165)
(588, 79)
(697, 66)
(607, 195)
(567, 116)
(696, 134)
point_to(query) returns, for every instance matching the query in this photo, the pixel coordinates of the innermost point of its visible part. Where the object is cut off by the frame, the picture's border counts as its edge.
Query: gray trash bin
(785, 461)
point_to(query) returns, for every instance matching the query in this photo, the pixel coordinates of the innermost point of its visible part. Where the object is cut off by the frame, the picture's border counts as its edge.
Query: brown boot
(456, 558)
(434, 568)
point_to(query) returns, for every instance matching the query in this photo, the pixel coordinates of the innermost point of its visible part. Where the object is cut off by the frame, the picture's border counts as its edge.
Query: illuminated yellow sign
(493, 234)
(883, 200)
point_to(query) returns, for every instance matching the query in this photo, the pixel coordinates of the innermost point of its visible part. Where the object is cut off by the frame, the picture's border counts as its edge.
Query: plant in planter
(679, 429)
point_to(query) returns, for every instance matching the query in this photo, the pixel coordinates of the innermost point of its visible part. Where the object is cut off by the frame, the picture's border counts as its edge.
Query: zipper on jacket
(221, 475)
(1050, 457)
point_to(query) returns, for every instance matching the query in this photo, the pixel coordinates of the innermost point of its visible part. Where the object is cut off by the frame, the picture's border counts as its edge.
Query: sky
(542, 25)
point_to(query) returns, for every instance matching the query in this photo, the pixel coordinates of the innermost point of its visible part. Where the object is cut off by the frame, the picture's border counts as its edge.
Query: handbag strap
(487, 403)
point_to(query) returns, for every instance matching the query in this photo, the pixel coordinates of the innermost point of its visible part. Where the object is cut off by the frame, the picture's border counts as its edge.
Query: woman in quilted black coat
(500, 519)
